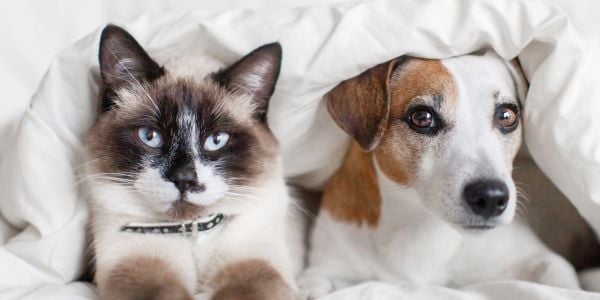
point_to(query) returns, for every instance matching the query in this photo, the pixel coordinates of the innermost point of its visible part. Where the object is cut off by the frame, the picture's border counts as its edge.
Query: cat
(186, 180)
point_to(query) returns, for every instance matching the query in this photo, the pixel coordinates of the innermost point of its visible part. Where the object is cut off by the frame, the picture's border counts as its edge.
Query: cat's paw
(236, 292)
(162, 292)
(144, 277)
(170, 293)
(253, 279)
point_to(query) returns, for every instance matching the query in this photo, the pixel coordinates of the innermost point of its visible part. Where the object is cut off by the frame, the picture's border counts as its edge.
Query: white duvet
(43, 209)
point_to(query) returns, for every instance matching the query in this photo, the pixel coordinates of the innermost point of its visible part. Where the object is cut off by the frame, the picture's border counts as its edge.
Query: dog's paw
(555, 271)
(312, 287)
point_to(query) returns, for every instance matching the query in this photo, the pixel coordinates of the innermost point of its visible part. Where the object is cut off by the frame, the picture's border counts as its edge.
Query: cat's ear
(254, 74)
(123, 60)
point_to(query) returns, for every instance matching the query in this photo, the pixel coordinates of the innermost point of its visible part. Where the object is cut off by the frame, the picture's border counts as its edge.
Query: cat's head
(177, 147)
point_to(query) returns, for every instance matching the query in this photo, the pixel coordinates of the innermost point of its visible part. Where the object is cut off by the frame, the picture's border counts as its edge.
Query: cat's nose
(185, 180)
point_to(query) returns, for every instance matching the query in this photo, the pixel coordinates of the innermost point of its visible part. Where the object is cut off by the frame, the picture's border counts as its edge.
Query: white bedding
(43, 210)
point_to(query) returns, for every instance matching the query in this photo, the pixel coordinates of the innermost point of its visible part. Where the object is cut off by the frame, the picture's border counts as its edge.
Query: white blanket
(43, 210)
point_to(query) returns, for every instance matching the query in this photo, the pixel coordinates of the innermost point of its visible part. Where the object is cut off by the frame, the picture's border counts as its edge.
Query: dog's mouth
(480, 225)
(477, 228)
(474, 224)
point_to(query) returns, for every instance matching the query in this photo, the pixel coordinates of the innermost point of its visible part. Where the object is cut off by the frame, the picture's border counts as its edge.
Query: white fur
(215, 185)
(419, 238)
(474, 149)
(154, 191)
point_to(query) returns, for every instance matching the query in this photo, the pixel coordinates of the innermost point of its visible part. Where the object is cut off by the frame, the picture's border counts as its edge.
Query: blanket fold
(43, 204)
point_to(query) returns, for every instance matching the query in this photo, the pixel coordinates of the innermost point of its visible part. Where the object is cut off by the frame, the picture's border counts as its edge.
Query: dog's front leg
(550, 269)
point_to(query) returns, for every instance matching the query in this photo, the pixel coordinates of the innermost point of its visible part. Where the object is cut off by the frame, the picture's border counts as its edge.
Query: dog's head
(449, 129)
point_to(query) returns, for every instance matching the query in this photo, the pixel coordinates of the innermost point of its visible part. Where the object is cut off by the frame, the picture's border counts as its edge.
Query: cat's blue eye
(150, 137)
(216, 141)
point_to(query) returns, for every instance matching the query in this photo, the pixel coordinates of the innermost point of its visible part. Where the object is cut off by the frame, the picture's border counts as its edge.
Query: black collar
(204, 224)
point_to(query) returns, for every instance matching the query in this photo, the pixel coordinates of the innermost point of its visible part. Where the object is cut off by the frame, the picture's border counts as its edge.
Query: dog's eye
(423, 119)
(506, 117)
(150, 136)
(216, 141)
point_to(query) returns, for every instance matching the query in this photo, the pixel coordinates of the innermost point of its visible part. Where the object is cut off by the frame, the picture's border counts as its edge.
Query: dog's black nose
(185, 179)
(487, 198)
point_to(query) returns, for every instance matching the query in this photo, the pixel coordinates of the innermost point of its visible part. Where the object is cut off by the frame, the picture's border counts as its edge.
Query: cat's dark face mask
(180, 147)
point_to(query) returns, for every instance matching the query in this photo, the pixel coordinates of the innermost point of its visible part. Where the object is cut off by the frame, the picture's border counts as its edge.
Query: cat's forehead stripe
(186, 119)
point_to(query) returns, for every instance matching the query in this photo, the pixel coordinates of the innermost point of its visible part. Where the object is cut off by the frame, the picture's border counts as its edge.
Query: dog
(425, 193)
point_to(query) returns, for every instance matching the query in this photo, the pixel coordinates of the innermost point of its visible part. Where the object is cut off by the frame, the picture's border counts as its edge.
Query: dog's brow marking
(496, 95)
(437, 101)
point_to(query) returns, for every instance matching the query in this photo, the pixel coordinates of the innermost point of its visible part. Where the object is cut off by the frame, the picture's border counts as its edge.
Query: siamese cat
(188, 193)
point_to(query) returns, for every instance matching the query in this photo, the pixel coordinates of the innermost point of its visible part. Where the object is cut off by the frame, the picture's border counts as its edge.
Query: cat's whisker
(87, 163)
(103, 177)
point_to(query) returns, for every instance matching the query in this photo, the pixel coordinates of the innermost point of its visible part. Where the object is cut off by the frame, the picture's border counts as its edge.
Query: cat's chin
(182, 210)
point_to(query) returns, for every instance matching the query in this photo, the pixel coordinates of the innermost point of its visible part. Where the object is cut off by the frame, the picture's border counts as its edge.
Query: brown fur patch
(183, 210)
(352, 194)
(398, 153)
(144, 278)
(250, 279)
(360, 105)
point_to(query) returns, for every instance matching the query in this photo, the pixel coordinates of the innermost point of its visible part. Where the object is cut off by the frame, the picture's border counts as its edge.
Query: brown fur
(250, 279)
(184, 210)
(398, 152)
(371, 108)
(144, 278)
(352, 194)
(360, 105)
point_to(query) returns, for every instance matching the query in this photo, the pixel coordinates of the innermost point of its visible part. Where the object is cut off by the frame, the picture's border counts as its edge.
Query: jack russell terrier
(426, 185)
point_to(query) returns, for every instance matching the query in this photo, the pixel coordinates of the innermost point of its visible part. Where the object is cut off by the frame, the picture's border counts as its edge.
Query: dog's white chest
(414, 245)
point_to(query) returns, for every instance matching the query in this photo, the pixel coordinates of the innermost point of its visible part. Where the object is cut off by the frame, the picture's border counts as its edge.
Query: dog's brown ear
(361, 105)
